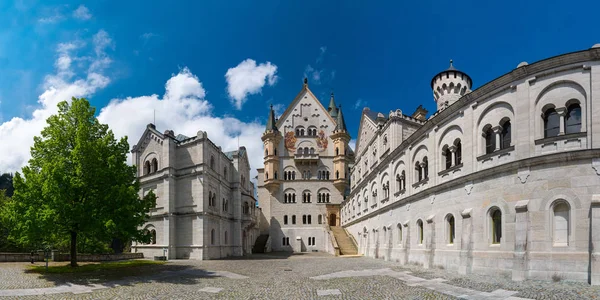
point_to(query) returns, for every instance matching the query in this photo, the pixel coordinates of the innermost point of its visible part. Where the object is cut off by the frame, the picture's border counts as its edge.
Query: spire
(305, 81)
(451, 66)
(271, 121)
(340, 124)
(333, 111)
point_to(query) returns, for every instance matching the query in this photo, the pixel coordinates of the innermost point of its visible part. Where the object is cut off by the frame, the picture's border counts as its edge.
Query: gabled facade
(305, 174)
(205, 208)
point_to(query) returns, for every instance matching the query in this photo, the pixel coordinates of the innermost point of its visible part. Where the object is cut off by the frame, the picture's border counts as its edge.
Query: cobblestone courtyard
(277, 276)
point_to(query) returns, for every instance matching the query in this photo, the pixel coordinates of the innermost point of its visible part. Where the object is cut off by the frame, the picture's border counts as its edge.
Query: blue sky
(381, 56)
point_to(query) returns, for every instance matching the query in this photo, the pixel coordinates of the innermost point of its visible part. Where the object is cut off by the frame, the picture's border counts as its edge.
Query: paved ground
(308, 276)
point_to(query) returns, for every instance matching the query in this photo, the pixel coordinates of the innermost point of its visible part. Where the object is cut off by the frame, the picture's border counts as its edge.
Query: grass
(94, 267)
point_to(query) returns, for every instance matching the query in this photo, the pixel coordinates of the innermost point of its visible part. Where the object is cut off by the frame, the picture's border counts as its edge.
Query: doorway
(332, 220)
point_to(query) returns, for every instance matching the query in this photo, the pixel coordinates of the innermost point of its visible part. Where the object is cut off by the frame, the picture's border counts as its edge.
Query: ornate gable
(366, 131)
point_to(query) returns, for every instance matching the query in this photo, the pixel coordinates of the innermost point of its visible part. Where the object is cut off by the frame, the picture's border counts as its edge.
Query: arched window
(327, 198)
(337, 174)
(146, 168)
(293, 219)
(551, 123)
(327, 173)
(458, 153)
(450, 228)
(153, 237)
(212, 237)
(154, 165)
(490, 140)
(420, 231)
(337, 151)
(505, 135)
(225, 172)
(447, 157)
(425, 167)
(312, 150)
(561, 223)
(303, 219)
(496, 225)
(573, 119)
(267, 175)
(212, 162)
(285, 220)
(275, 177)
(399, 233)
(225, 237)
(403, 176)
(285, 177)
(266, 152)
(293, 175)
(320, 219)
(309, 219)
(305, 150)
(418, 171)
(275, 151)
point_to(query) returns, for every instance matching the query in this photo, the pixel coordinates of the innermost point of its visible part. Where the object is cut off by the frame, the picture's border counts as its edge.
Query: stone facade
(305, 174)
(205, 205)
(505, 178)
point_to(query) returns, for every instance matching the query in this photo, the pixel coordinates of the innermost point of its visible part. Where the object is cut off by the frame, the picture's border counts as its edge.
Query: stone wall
(20, 257)
(98, 257)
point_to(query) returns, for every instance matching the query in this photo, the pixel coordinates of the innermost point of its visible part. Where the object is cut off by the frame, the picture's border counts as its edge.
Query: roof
(271, 122)
(181, 137)
(340, 123)
(231, 154)
(332, 109)
(452, 69)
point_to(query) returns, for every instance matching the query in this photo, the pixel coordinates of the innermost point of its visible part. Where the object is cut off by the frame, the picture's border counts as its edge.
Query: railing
(336, 248)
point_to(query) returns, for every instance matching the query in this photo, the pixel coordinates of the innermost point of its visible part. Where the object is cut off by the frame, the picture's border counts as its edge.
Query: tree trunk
(73, 249)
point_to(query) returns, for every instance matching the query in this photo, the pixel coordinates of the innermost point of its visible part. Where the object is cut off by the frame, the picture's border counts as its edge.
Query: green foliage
(94, 267)
(77, 187)
(6, 184)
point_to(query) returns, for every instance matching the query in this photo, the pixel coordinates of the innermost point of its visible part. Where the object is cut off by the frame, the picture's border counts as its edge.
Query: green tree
(77, 183)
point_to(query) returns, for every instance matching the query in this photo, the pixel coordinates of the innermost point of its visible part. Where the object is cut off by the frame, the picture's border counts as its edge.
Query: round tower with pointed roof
(271, 138)
(340, 138)
(449, 85)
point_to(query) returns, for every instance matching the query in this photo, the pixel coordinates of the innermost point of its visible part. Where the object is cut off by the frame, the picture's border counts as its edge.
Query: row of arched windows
(498, 137)
(569, 118)
(306, 219)
(305, 151)
(289, 198)
(452, 154)
(422, 169)
(323, 198)
(311, 131)
(306, 197)
(152, 234)
(560, 223)
(151, 166)
(289, 175)
(323, 175)
(401, 181)
(212, 199)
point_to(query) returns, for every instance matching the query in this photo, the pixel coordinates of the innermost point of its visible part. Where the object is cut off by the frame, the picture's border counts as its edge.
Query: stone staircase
(347, 246)
(259, 245)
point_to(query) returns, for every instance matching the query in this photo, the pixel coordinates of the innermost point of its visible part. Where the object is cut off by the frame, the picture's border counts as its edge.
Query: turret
(332, 109)
(271, 138)
(340, 139)
(449, 85)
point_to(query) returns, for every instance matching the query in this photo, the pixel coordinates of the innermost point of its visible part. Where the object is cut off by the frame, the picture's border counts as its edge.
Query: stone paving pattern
(281, 277)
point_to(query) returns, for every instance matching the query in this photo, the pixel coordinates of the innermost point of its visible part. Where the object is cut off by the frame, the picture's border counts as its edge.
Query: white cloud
(16, 134)
(279, 108)
(313, 74)
(359, 103)
(82, 13)
(184, 110)
(247, 78)
(321, 54)
(51, 15)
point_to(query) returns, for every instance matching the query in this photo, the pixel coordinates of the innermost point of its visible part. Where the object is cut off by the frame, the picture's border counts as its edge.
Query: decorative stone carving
(523, 174)
(469, 187)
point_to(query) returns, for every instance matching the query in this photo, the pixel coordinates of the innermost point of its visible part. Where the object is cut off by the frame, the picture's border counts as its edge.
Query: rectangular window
(311, 241)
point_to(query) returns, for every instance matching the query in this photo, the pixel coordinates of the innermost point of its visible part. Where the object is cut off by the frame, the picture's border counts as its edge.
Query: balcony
(306, 158)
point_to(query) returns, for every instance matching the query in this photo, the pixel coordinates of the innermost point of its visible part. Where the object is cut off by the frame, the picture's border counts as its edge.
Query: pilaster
(520, 254)
(595, 240)
(466, 242)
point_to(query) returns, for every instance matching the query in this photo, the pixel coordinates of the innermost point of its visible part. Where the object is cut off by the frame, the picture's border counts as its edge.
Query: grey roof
(231, 154)
(452, 68)
(332, 109)
(271, 122)
(340, 123)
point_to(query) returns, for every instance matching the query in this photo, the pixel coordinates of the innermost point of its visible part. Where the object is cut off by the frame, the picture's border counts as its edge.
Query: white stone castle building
(305, 175)
(504, 178)
(205, 207)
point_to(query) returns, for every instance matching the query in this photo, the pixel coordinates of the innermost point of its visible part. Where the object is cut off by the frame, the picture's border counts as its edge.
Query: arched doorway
(332, 220)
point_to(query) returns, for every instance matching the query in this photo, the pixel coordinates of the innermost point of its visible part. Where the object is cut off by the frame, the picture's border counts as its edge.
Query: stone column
(466, 242)
(562, 112)
(520, 257)
(595, 240)
(497, 130)
(452, 154)
(406, 242)
(430, 243)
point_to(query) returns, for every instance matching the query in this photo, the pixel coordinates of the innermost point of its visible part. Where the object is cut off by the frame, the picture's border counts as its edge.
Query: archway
(332, 220)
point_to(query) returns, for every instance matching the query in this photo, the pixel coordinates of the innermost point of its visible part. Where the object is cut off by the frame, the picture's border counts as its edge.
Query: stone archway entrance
(332, 220)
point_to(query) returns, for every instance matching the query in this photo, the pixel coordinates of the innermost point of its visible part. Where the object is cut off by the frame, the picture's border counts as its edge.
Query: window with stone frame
(573, 119)
(450, 229)
(420, 232)
(496, 225)
(551, 122)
